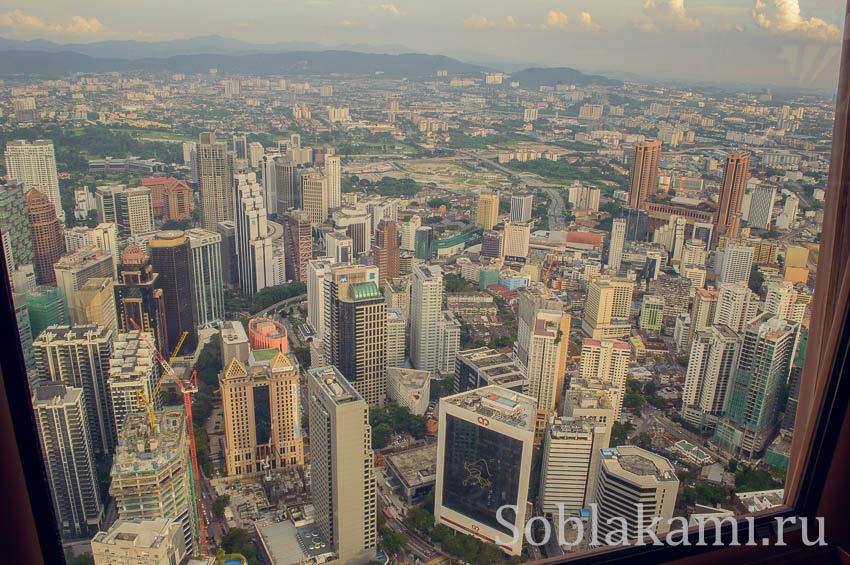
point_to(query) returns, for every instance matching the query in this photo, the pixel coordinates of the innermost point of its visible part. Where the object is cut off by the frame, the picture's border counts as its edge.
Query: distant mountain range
(44, 58)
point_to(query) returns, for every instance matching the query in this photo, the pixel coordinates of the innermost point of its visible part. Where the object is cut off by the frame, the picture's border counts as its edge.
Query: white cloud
(587, 23)
(391, 8)
(556, 20)
(784, 16)
(663, 15)
(478, 22)
(18, 21)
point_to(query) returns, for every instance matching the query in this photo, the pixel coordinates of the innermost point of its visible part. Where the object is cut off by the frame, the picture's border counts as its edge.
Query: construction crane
(187, 389)
(146, 401)
(544, 275)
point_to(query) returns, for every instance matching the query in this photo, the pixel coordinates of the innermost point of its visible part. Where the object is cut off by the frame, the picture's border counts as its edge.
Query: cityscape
(353, 307)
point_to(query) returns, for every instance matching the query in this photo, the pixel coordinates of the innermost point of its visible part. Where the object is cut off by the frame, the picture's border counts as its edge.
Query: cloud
(478, 22)
(391, 8)
(18, 21)
(587, 23)
(667, 15)
(783, 16)
(556, 20)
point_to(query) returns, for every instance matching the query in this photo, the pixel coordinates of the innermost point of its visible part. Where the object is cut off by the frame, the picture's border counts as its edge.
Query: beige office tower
(397, 295)
(606, 360)
(75, 269)
(314, 197)
(259, 396)
(355, 338)
(95, 304)
(215, 181)
(516, 239)
(151, 472)
(68, 459)
(643, 181)
(733, 184)
(332, 173)
(608, 308)
(341, 466)
(702, 312)
(396, 338)
(615, 245)
(33, 164)
(708, 380)
(487, 210)
(590, 402)
(484, 451)
(635, 486)
(547, 359)
(785, 301)
(316, 270)
(532, 300)
(736, 306)
(426, 305)
(155, 541)
(570, 450)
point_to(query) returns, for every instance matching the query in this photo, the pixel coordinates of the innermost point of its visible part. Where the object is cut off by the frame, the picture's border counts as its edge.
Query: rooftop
(639, 463)
(412, 379)
(150, 533)
(334, 385)
(501, 404)
(415, 467)
(233, 332)
(139, 451)
(364, 291)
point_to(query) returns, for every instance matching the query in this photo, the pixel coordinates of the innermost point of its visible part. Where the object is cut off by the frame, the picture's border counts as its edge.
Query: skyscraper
(755, 398)
(484, 450)
(155, 541)
(45, 228)
(131, 209)
(615, 245)
(521, 206)
(339, 247)
(75, 269)
(532, 300)
(263, 383)
(732, 187)
(643, 181)
(229, 264)
(287, 183)
(606, 361)
(785, 301)
(736, 306)
(253, 236)
(151, 475)
(95, 304)
(171, 259)
(314, 197)
(33, 164)
(356, 329)
(139, 297)
(104, 237)
(46, 307)
(133, 375)
(385, 250)
(316, 270)
(762, 198)
(712, 362)
(332, 174)
(215, 181)
(448, 344)
(734, 263)
(517, 237)
(487, 210)
(79, 357)
(298, 238)
(14, 223)
(60, 415)
(703, 312)
(341, 466)
(426, 304)
(207, 275)
(547, 358)
(608, 308)
(396, 338)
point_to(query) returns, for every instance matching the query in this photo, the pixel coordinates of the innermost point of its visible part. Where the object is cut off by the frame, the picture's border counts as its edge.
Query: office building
(139, 296)
(316, 270)
(702, 312)
(481, 367)
(103, 236)
(410, 389)
(253, 236)
(643, 180)
(589, 402)
(734, 263)
(154, 541)
(397, 295)
(736, 306)
(95, 304)
(171, 199)
(606, 361)
(608, 308)
(298, 239)
(521, 207)
(287, 182)
(713, 358)
(75, 269)
(128, 208)
(385, 251)
(207, 275)
(229, 263)
(341, 466)
(732, 186)
(339, 247)
(426, 305)
(760, 214)
(492, 244)
(332, 174)
(46, 307)
(133, 375)
(397, 338)
(449, 343)
(14, 225)
(694, 254)
(171, 259)
(60, 417)
(265, 333)
(22, 321)
(615, 245)
(314, 197)
(583, 197)
(33, 164)
(45, 227)
(755, 398)
(517, 237)
(356, 329)
(651, 313)
(636, 486)
(487, 210)
(151, 474)
(532, 300)
(408, 233)
(786, 301)
(264, 384)
(424, 243)
(547, 358)
(79, 357)
(358, 225)
(484, 451)
(215, 181)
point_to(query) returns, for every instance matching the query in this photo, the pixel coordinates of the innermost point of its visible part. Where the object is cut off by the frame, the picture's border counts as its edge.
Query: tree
(220, 504)
(392, 541)
(620, 433)
(756, 279)
(419, 519)
(239, 540)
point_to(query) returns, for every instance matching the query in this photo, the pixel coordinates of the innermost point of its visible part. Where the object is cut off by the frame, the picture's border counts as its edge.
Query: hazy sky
(792, 42)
